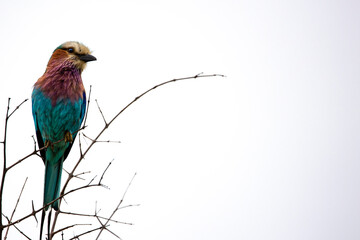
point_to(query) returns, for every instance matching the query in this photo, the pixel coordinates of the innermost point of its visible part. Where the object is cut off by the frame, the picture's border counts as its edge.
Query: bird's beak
(87, 58)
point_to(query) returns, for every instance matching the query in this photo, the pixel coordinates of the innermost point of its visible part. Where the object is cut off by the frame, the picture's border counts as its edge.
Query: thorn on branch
(96, 141)
(199, 74)
(77, 175)
(127, 206)
(33, 211)
(106, 124)
(92, 179)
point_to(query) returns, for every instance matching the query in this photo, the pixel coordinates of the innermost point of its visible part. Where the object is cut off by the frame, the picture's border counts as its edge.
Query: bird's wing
(82, 115)
(83, 108)
(38, 133)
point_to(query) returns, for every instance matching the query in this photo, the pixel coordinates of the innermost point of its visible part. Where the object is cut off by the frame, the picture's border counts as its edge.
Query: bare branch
(121, 111)
(4, 168)
(107, 124)
(200, 75)
(50, 203)
(27, 156)
(71, 174)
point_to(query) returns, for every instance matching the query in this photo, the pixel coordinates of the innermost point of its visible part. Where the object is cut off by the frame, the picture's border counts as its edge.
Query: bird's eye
(70, 50)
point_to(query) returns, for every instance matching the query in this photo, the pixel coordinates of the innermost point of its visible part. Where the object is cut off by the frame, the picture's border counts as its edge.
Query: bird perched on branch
(58, 108)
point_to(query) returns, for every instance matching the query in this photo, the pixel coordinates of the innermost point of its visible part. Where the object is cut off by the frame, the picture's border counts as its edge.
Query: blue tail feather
(52, 182)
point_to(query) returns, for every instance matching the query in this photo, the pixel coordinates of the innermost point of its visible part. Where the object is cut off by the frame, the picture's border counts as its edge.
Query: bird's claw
(68, 137)
(49, 144)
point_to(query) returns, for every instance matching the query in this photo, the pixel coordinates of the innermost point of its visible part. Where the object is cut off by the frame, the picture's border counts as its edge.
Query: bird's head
(74, 53)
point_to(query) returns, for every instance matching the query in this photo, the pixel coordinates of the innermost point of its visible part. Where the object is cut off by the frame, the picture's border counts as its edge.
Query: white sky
(269, 152)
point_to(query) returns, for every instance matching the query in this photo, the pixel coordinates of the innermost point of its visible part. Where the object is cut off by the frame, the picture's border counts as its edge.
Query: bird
(58, 109)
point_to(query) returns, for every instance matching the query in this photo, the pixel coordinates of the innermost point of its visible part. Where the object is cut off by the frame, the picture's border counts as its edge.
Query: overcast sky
(269, 152)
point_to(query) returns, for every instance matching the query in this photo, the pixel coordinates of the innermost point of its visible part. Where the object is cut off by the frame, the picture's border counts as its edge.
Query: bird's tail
(52, 183)
(51, 189)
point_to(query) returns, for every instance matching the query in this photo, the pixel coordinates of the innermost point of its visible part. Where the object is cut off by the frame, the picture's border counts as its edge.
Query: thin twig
(77, 175)
(127, 206)
(84, 233)
(104, 141)
(102, 176)
(27, 156)
(200, 75)
(17, 202)
(80, 147)
(34, 142)
(17, 107)
(107, 229)
(22, 233)
(106, 124)
(88, 106)
(17, 229)
(93, 215)
(71, 226)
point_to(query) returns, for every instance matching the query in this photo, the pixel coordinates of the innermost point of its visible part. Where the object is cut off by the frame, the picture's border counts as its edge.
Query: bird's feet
(49, 144)
(68, 137)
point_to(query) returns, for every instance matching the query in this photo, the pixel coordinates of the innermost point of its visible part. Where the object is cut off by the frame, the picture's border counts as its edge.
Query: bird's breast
(63, 83)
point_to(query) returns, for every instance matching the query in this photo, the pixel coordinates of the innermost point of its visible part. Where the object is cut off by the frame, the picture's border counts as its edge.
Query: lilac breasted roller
(58, 108)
